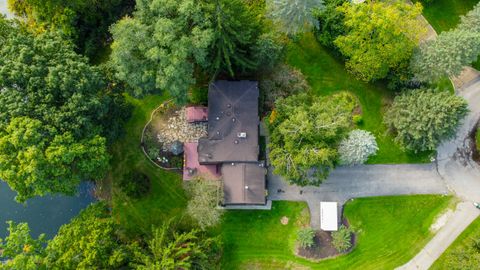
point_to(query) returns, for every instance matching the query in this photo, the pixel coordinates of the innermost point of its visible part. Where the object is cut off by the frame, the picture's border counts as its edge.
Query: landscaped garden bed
(165, 133)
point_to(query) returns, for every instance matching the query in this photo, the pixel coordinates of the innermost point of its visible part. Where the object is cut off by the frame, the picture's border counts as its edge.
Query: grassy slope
(166, 198)
(391, 230)
(327, 75)
(444, 15)
(472, 232)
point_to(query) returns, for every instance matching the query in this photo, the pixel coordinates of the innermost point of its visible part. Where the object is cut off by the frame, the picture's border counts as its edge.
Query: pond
(43, 214)
(4, 9)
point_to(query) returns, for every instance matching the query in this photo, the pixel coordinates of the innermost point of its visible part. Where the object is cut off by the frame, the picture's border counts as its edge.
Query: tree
(357, 147)
(423, 118)
(330, 23)
(235, 35)
(172, 250)
(447, 55)
(305, 237)
(269, 50)
(294, 16)
(305, 133)
(20, 250)
(159, 47)
(89, 241)
(168, 42)
(203, 204)
(380, 36)
(471, 21)
(86, 22)
(52, 109)
(342, 239)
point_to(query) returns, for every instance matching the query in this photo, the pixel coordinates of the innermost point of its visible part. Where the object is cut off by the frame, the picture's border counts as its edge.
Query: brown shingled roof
(232, 123)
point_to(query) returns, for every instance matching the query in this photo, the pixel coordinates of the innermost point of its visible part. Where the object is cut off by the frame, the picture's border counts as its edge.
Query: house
(231, 149)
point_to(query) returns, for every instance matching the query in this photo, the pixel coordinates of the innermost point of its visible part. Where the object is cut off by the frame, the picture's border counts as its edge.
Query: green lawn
(391, 230)
(472, 232)
(444, 15)
(327, 75)
(166, 198)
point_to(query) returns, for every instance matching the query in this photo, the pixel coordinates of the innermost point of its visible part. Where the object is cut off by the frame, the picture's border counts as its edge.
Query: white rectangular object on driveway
(328, 216)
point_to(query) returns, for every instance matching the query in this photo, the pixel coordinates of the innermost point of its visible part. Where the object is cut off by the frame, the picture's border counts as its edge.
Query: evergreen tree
(294, 16)
(422, 119)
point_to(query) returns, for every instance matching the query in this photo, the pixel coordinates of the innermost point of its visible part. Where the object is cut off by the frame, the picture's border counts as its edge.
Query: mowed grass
(327, 75)
(463, 241)
(390, 230)
(444, 15)
(166, 198)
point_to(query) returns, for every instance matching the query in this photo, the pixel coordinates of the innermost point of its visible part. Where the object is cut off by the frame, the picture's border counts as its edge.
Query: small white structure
(328, 216)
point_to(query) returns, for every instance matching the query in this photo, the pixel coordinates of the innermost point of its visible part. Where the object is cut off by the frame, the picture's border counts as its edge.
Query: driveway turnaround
(461, 175)
(345, 183)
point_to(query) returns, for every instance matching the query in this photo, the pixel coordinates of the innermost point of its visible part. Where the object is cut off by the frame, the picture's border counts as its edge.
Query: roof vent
(217, 118)
(235, 142)
(242, 135)
(246, 187)
(234, 119)
(229, 105)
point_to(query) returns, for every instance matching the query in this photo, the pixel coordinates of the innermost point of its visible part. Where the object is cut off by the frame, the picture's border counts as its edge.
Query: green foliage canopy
(305, 132)
(51, 111)
(294, 16)
(168, 249)
(206, 196)
(421, 119)
(381, 35)
(89, 241)
(447, 55)
(20, 250)
(86, 22)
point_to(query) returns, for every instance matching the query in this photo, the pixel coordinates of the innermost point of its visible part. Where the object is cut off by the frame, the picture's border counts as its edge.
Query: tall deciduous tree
(421, 119)
(381, 35)
(89, 241)
(305, 133)
(447, 55)
(86, 22)
(160, 46)
(51, 110)
(168, 41)
(205, 199)
(20, 250)
(294, 16)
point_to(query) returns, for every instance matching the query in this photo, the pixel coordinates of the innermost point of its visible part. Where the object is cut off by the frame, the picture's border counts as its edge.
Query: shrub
(358, 119)
(134, 184)
(357, 147)
(153, 152)
(305, 237)
(198, 96)
(422, 118)
(205, 197)
(282, 81)
(342, 239)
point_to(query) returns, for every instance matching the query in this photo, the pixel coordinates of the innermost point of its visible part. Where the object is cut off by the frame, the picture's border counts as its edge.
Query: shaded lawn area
(327, 75)
(463, 241)
(166, 198)
(390, 230)
(444, 15)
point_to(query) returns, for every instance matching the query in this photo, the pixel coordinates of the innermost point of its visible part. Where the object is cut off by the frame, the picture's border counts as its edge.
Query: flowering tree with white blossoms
(357, 147)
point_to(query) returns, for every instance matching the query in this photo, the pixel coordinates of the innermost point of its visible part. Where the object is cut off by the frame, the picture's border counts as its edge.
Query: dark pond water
(43, 214)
